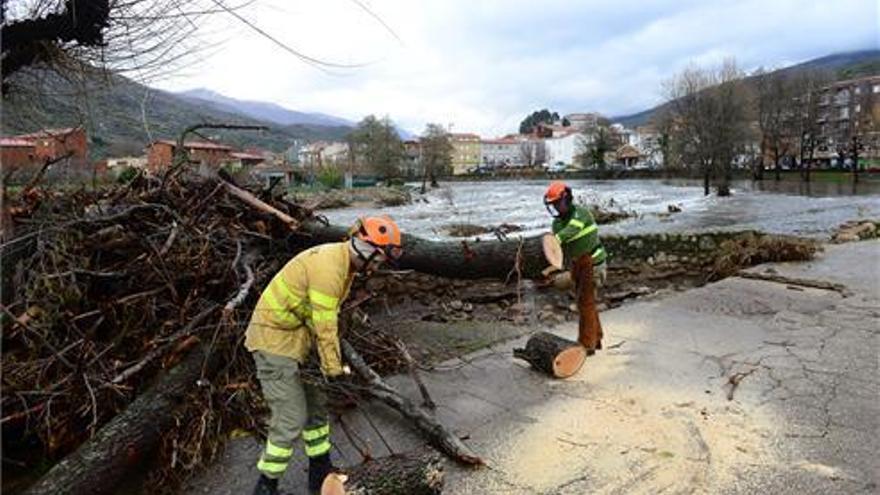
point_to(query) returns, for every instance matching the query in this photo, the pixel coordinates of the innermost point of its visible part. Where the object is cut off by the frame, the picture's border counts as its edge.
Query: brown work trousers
(589, 327)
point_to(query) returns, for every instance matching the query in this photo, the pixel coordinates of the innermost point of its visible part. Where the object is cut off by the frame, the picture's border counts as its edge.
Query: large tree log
(435, 432)
(395, 475)
(558, 357)
(459, 259)
(453, 259)
(101, 463)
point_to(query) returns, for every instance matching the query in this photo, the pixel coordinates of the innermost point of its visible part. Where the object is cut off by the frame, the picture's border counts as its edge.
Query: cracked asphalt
(741, 386)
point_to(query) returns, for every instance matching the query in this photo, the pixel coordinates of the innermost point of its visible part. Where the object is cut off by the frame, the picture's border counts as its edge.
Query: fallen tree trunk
(127, 441)
(451, 259)
(555, 356)
(394, 475)
(435, 432)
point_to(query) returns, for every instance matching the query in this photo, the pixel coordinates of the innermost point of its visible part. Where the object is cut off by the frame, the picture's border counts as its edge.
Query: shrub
(330, 177)
(127, 175)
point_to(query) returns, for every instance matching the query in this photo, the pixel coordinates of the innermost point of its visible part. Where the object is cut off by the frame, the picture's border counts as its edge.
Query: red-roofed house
(160, 154)
(247, 158)
(35, 148)
(53, 143)
(17, 153)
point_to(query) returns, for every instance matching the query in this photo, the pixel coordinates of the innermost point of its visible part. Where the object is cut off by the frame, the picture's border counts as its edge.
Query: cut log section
(556, 356)
(552, 250)
(395, 475)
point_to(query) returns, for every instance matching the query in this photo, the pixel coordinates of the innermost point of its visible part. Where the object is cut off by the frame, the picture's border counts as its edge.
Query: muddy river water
(804, 209)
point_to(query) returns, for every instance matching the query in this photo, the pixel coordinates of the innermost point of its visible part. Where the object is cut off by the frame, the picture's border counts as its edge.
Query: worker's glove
(340, 378)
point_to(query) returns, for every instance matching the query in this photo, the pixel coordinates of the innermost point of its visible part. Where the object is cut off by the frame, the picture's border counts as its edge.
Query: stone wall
(693, 251)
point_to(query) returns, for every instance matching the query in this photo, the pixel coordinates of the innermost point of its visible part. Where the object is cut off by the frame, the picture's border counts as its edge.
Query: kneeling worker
(578, 234)
(300, 306)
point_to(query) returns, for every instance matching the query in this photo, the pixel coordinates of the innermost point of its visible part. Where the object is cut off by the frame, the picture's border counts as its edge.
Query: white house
(564, 147)
(323, 153)
(500, 152)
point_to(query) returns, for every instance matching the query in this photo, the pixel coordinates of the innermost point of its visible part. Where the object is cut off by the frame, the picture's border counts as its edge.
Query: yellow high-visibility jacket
(301, 302)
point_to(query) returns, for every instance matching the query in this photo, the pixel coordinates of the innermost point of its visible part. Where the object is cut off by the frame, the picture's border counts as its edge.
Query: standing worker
(301, 305)
(577, 232)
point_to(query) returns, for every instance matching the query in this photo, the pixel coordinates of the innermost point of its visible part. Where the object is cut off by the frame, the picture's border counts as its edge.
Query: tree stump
(558, 357)
(394, 475)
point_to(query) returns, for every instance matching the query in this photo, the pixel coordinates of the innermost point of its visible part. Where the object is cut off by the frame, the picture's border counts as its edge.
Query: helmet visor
(554, 207)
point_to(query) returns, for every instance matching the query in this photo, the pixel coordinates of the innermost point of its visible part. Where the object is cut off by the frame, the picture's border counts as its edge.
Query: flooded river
(811, 210)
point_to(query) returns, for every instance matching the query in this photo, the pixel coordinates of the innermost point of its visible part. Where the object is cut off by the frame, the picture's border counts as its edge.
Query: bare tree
(593, 146)
(436, 151)
(806, 90)
(774, 105)
(147, 39)
(709, 110)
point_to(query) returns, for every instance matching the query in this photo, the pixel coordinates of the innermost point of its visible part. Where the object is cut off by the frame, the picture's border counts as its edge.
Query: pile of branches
(104, 291)
(752, 249)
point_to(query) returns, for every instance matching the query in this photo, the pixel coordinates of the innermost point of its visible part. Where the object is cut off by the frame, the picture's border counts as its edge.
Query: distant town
(842, 131)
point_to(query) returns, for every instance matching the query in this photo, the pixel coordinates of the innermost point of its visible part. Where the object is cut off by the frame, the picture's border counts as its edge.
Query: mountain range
(841, 65)
(260, 110)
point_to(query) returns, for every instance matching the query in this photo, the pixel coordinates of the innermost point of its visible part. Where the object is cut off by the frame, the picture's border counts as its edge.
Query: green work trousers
(297, 408)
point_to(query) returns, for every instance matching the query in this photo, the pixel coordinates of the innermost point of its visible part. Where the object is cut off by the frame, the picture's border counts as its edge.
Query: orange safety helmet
(382, 233)
(557, 192)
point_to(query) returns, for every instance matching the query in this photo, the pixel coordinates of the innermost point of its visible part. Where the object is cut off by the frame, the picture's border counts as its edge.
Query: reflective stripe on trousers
(274, 460)
(316, 440)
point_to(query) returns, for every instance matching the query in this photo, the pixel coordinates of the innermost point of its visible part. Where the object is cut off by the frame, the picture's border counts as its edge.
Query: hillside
(842, 65)
(260, 110)
(271, 112)
(111, 108)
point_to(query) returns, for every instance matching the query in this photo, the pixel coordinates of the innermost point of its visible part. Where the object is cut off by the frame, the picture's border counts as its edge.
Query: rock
(673, 209)
(846, 237)
(573, 308)
(707, 243)
(548, 308)
(467, 307)
(456, 305)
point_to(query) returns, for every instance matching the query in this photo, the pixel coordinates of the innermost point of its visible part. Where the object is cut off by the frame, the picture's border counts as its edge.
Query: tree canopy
(538, 117)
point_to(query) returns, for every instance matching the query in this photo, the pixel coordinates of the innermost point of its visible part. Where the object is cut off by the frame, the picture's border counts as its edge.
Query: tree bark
(553, 355)
(127, 441)
(455, 259)
(394, 475)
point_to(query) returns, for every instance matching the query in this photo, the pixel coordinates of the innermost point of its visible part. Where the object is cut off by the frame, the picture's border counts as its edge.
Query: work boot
(266, 486)
(319, 468)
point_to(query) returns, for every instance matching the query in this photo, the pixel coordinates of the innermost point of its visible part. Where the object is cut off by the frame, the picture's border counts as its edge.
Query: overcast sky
(482, 65)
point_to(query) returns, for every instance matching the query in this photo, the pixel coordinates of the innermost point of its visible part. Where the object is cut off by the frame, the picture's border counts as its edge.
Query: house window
(858, 107)
(876, 88)
(844, 113)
